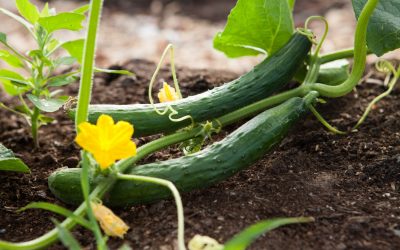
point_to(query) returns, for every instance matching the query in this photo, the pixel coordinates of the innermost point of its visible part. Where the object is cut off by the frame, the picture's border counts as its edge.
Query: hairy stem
(175, 193)
(88, 63)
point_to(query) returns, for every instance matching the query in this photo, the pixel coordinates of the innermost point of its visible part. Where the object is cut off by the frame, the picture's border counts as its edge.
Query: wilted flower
(111, 224)
(199, 242)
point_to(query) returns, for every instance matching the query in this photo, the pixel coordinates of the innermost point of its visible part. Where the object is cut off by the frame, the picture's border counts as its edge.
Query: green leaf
(14, 78)
(68, 60)
(61, 81)
(8, 161)
(242, 240)
(28, 10)
(114, 71)
(383, 34)
(82, 10)
(11, 89)
(11, 59)
(58, 210)
(3, 38)
(39, 55)
(62, 21)
(66, 237)
(45, 119)
(45, 11)
(47, 105)
(291, 3)
(254, 27)
(75, 48)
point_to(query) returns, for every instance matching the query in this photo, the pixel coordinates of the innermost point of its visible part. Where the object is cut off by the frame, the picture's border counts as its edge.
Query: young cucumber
(215, 163)
(265, 79)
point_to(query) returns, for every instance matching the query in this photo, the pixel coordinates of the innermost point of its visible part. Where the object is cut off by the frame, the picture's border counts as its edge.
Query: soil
(349, 184)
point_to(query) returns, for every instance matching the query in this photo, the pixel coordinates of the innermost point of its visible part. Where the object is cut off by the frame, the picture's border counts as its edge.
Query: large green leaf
(242, 240)
(28, 10)
(62, 21)
(256, 26)
(8, 161)
(384, 25)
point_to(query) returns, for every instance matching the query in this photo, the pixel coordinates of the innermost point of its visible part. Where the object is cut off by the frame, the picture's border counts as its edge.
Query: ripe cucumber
(265, 79)
(213, 164)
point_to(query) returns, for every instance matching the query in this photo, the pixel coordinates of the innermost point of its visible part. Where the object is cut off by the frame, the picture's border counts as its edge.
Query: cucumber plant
(222, 159)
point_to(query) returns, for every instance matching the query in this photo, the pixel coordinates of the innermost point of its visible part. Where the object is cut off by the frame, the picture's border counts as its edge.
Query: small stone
(71, 162)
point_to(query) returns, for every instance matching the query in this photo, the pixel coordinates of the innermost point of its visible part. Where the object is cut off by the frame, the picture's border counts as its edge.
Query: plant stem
(149, 148)
(101, 245)
(88, 63)
(360, 53)
(178, 201)
(35, 126)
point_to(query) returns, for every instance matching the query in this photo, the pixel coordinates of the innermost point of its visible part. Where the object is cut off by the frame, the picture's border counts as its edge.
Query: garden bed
(350, 183)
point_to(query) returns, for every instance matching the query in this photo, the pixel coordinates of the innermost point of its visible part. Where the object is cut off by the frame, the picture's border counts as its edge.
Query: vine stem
(88, 63)
(177, 197)
(360, 53)
(153, 146)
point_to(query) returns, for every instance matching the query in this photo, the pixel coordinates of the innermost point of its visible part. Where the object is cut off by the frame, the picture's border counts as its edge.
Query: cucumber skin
(266, 78)
(215, 163)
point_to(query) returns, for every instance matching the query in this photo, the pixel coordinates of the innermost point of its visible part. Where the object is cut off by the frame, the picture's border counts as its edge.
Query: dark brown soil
(350, 184)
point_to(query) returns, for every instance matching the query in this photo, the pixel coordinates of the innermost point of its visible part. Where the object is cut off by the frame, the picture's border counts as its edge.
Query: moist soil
(349, 184)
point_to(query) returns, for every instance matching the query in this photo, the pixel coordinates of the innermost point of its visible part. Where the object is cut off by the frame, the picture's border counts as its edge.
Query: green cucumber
(215, 163)
(265, 79)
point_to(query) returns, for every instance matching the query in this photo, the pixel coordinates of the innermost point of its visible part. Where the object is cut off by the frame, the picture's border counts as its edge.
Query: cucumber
(215, 163)
(266, 78)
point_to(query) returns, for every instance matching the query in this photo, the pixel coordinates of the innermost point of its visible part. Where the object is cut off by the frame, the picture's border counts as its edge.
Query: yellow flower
(106, 141)
(167, 93)
(199, 242)
(111, 224)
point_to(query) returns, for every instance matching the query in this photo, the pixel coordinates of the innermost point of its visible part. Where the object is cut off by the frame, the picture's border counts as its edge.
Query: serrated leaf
(47, 105)
(75, 48)
(242, 240)
(28, 10)
(82, 10)
(11, 59)
(62, 21)
(383, 34)
(8, 161)
(45, 11)
(254, 27)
